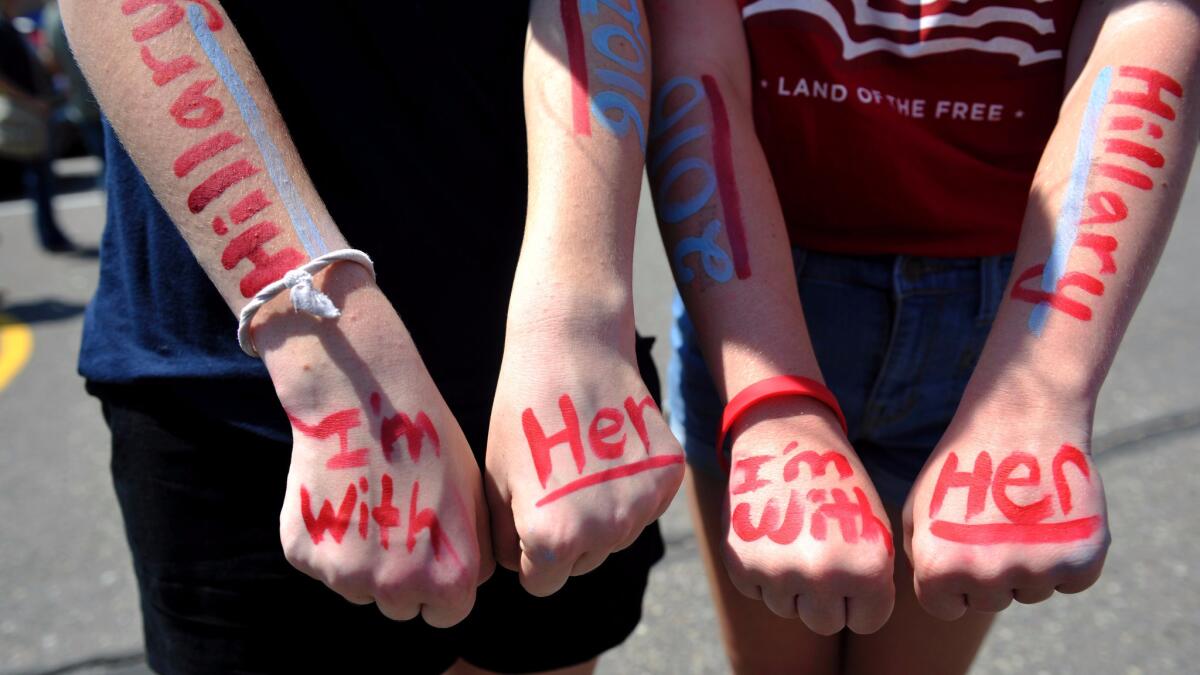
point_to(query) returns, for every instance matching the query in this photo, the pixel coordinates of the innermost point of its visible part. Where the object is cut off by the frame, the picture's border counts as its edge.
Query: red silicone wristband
(773, 387)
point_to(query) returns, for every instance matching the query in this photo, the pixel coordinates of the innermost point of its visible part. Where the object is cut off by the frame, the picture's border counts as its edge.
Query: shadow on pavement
(43, 311)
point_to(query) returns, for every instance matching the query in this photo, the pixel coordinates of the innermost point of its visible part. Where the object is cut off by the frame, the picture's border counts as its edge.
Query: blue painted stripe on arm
(1066, 229)
(302, 221)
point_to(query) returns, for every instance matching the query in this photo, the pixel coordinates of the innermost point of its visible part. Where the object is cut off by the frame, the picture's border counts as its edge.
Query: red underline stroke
(997, 533)
(610, 474)
(577, 62)
(731, 198)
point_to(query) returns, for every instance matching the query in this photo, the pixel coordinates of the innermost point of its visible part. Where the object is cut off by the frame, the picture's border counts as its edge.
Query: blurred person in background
(26, 122)
(79, 107)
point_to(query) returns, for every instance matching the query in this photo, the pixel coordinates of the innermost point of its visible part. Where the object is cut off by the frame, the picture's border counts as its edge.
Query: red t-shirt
(906, 126)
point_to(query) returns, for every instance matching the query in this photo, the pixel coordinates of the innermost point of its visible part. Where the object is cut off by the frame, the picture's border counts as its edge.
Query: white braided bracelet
(305, 298)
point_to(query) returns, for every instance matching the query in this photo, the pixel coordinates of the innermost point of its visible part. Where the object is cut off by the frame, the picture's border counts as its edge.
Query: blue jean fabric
(897, 338)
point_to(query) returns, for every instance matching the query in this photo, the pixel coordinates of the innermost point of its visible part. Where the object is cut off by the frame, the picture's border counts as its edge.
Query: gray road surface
(67, 597)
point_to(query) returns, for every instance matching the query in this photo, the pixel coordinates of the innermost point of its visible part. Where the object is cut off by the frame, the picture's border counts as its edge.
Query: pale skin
(366, 362)
(317, 366)
(1030, 394)
(571, 321)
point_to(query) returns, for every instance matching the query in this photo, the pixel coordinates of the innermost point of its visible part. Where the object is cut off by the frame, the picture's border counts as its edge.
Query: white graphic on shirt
(1025, 52)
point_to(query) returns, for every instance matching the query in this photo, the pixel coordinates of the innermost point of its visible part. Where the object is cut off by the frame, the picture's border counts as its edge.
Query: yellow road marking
(16, 344)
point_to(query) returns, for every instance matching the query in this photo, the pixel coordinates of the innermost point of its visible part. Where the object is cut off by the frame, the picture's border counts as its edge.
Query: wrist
(595, 307)
(367, 336)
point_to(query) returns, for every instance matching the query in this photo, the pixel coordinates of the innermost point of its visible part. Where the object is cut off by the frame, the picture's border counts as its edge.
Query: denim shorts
(896, 337)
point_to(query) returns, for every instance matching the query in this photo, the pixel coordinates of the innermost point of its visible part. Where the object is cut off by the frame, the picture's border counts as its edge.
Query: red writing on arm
(540, 444)
(769, 525)
(338, 424)
(1068, 454)
(426, 520)
(193, 109)
(386, 515)
(327, 520)
(817, 464)
(267, 267)
(165, 72)
(248, 206)
(606, 424)
(1019, 513)
(976, 482)
(748, 468)
(731, 199)
(203, 151)
(577, 63)
(1058, 300)
(220, 181)
(1024, 522)
(414, 432)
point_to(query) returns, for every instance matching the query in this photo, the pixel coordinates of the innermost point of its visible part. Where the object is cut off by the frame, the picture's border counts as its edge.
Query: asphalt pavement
(68, 600)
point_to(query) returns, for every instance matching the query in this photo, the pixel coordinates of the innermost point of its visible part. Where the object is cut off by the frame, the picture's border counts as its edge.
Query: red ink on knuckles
(855, 520)
(1023, 523)
(338, 424)
(606, 439)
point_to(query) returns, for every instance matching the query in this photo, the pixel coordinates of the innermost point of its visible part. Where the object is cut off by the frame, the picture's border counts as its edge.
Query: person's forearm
(720, 217)
(189, 105)
(587, 83)
(1101, 208)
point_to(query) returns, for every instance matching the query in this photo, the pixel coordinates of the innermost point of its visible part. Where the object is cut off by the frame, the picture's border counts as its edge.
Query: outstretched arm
(579, 458)
(187, 102)
(1014, 475)
(724, 232)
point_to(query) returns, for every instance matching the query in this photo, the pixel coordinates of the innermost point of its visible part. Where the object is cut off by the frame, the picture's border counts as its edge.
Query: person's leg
(914, 400)
(913, 641)
(39, 182)
(757, 641)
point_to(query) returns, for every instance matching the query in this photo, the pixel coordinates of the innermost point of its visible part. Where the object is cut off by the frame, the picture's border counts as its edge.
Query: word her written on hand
(1131, 138)
(607, 440)
(416, 432)
(618, 39)
(197, 113)
(715, 178)
(855, 519)
(1023, 522)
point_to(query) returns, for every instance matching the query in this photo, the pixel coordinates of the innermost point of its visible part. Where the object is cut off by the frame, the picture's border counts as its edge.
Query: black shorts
(201, 502)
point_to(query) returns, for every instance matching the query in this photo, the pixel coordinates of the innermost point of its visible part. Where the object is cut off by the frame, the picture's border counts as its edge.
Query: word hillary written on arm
(606, 438)
(416, 432)
(1105, 204)
(1023, 523)
(856, 520)
(198, 113)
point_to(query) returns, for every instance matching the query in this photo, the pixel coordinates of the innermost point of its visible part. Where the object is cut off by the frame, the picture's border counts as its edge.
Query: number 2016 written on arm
(1140, 104)
(199, 113)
